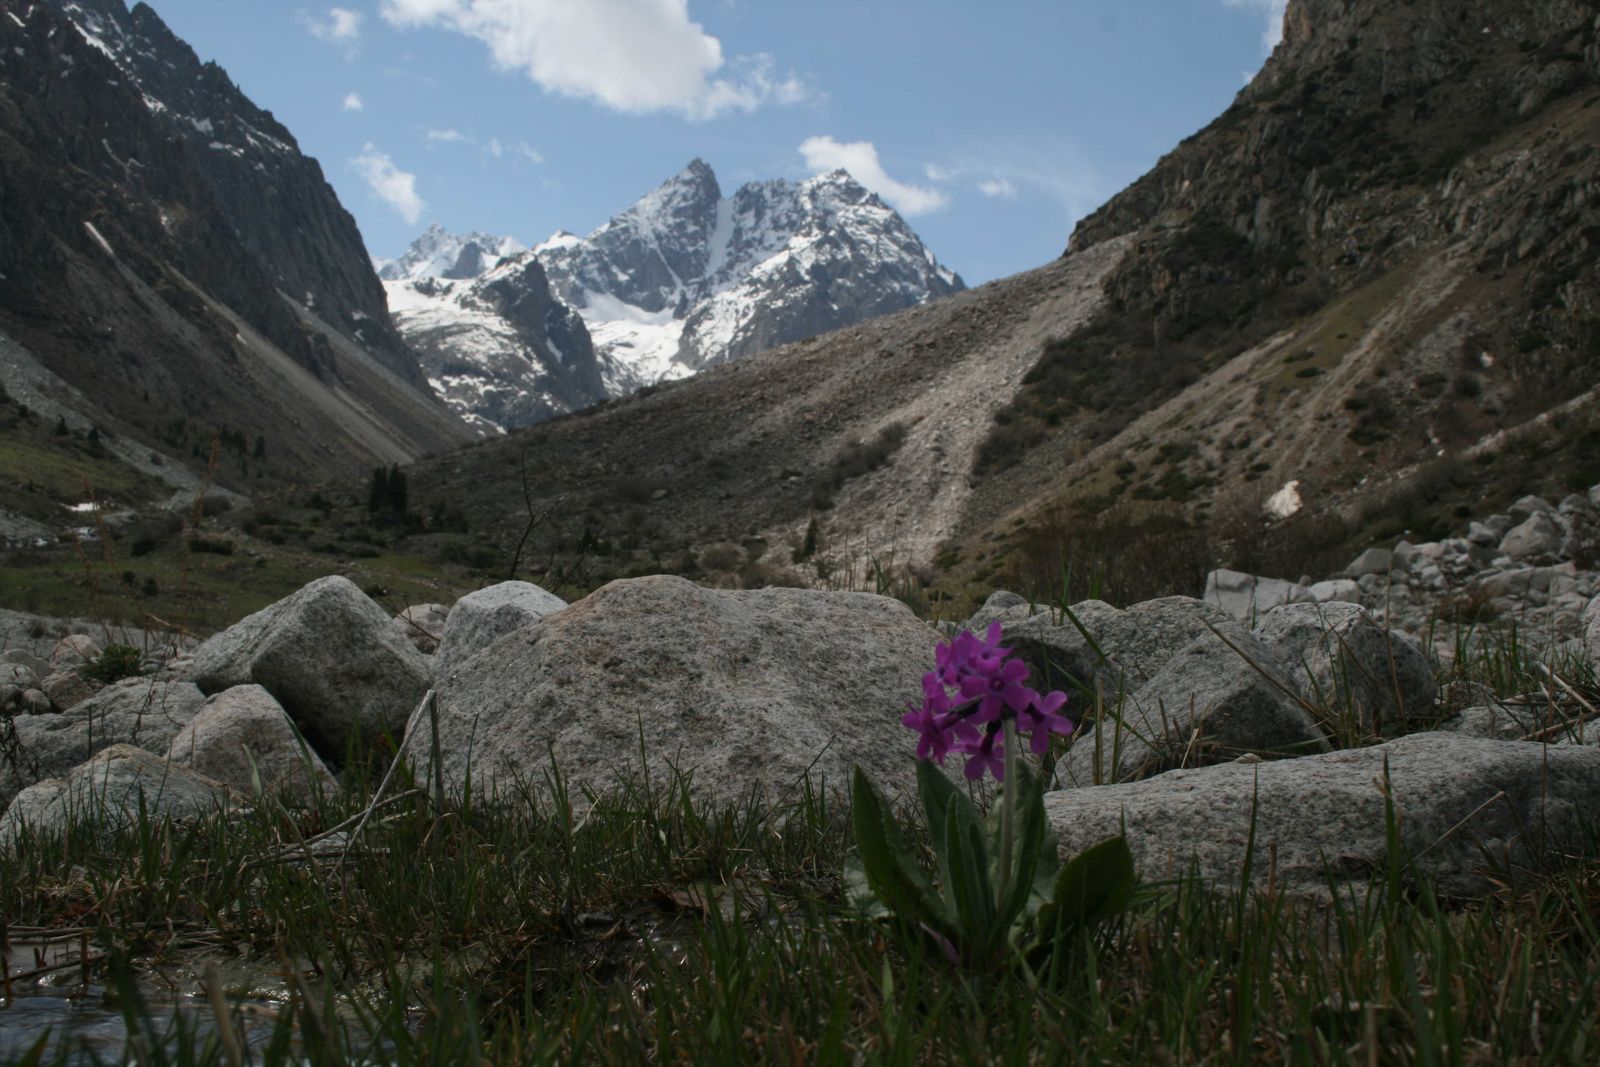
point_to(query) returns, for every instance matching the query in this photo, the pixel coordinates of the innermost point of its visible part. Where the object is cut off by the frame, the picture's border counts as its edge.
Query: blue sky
(992, 126)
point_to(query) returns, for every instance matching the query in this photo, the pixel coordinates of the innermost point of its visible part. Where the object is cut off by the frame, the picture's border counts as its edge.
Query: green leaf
(967, 883)
(1094, 885)
(858, 889)
(887, 863)
(936, 792)
(1030, 847)
(943, 802)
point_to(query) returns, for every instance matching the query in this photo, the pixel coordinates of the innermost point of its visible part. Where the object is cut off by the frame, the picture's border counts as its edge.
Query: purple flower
(987, 689)
(987, 755)
(1042, 718)
(999, 684)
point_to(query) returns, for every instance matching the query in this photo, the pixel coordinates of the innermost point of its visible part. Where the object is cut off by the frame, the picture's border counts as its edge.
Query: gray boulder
(1222, 695)
(1537, 537)
(1335, 589)
(34, 702)
(112, 786)
(1057, 651)
(243, 736)
(1528, 506)
(1372, 561)
(20, 675)
(480, 618)
(1461, 804)
(330, 655)
(23, 658)
(1246, 596)
(1501, 721)
(1001, 604)
(1591, 633)
(66, 688)
(74, 651)
(134, 711)
(1347, 664)
(746, 691)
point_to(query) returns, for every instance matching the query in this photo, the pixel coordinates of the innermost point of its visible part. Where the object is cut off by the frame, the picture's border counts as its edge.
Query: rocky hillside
(1358, 303)
(174, 272)
(1365, 291)
(684, 279)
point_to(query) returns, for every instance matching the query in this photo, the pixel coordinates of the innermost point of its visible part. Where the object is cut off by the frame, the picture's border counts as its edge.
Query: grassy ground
(653, 930)
(642, 926)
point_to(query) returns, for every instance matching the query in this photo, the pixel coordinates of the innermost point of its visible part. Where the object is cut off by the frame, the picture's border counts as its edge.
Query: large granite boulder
(134, 711)
(1351, 668)
(113, 786)
(330, 655)
(480, 618)
(1464, 806)
(1248, 596)
(746, 691)
(242, 737)
(1222, 695)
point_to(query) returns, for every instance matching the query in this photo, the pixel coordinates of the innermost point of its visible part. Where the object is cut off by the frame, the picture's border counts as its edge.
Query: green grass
(654, 929)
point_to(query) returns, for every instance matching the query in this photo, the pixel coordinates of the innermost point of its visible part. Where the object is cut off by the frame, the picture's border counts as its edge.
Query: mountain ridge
(683, 279)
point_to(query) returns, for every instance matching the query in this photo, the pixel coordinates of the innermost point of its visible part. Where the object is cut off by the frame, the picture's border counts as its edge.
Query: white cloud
(860, 158)
(339, 24)
(389, 183)
(530, 152)
(496, 149)
(937, 173)
(630, 55)
(447, 136)
(352, 102)
(1272, 11)
(1002, 187)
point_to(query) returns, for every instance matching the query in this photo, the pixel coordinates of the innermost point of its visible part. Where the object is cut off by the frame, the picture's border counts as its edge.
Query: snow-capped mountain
(438, 254)
(687, 277)
(497, 346)
(683, 279)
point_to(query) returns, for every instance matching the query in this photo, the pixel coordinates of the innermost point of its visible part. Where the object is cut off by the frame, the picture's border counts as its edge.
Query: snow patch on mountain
(683, 279)
(440, 254)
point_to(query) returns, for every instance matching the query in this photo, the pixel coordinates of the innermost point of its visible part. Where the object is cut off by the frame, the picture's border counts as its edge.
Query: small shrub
(114, 664)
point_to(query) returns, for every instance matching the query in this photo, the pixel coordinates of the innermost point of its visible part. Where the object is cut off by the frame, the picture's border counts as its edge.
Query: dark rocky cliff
(129, 275)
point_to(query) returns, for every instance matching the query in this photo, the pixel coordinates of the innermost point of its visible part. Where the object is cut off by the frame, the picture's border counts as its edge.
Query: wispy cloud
(389, 183)
(1014, 173)
(1272, 11)
(860, 158)
(494, 146)
(352, 102)
(339, 24)
(635, 56)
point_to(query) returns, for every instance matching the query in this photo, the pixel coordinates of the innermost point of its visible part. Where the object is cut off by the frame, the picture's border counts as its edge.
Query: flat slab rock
(746, 690)
(1319, 820)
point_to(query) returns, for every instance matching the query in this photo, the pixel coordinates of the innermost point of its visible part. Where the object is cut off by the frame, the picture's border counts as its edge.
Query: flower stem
(1008, 807)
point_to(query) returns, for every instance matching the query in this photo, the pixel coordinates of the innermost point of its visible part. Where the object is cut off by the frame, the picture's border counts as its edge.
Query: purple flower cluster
(966, 699)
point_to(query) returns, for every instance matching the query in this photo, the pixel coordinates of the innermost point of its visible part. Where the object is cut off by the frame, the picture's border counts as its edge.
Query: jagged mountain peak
(438, 253)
